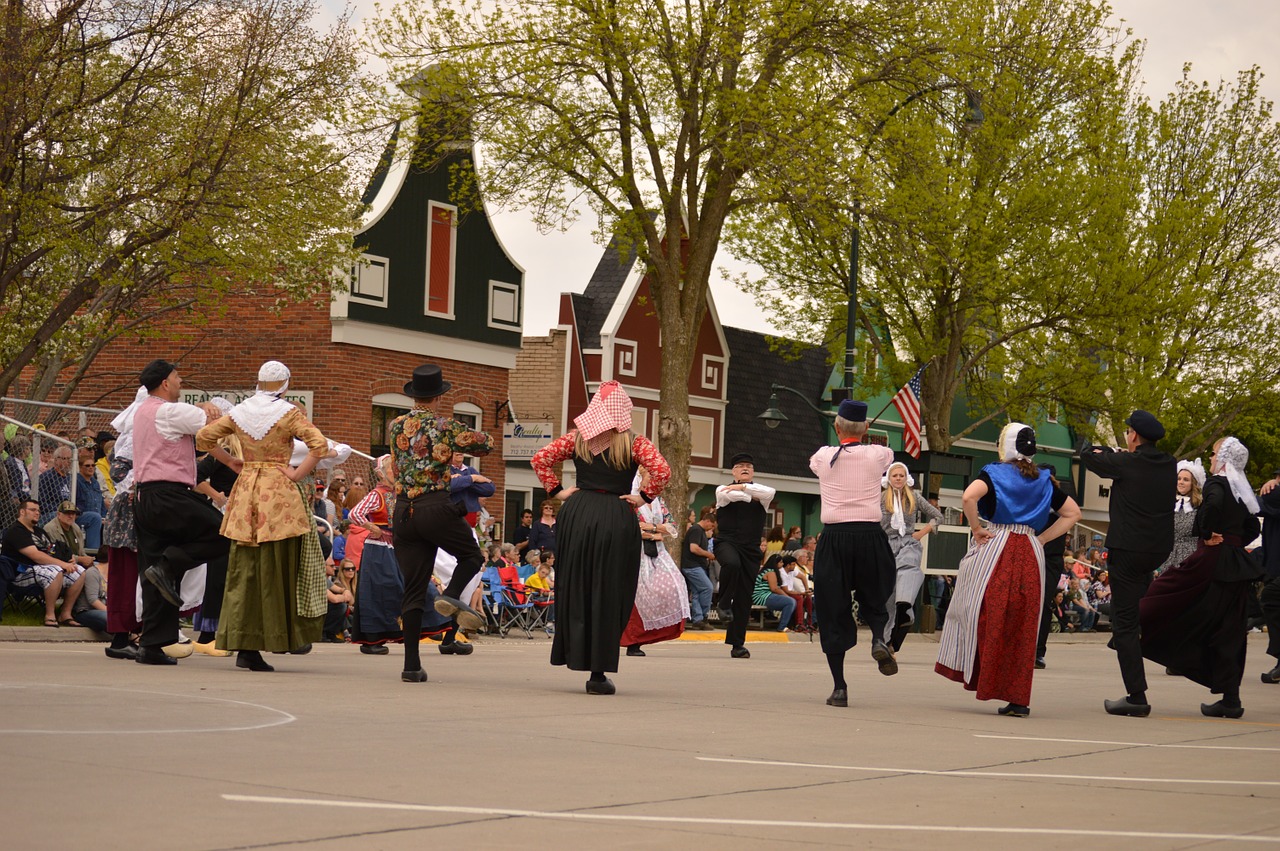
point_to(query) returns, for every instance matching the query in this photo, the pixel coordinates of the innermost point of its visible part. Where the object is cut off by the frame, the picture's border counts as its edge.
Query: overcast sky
(1219, 38)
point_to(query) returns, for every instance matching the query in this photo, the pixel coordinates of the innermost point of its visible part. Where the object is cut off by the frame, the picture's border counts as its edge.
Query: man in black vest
(741, 511)
(1139, 539)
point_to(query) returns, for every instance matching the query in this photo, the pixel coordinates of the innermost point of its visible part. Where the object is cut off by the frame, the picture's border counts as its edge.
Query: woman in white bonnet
(1185, 503)
(901, 507)
(1194, 617)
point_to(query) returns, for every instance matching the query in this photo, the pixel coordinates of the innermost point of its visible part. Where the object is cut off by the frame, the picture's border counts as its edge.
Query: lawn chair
(516, 610)
(491, 581)
(28, 599)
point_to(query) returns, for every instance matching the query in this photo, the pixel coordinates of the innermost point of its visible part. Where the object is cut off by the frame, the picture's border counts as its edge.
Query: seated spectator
(55, 482)
(64, 531)
(1080, 569)
(1078, 601)
(1100, 594)
(341, 597)
(549, 559)
(798, 586)
(534, 561)
(28, 545)
(540, 588)
(90, 608)
(1061, 622)
(90, 501)
(340, 540)
(771, 593)
(794, 541)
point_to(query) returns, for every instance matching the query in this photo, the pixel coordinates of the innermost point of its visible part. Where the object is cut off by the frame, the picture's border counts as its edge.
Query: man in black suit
(1139, 539)
(1270, 503)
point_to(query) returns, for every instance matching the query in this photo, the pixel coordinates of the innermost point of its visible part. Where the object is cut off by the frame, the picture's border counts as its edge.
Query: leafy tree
(985, 248)
(157, 155)
(664, 118)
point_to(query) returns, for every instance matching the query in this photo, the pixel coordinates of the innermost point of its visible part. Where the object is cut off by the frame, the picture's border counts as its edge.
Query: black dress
(1194, 615)
(597, 567)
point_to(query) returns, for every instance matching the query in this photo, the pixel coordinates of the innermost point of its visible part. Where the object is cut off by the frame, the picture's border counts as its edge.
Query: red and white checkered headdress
(609, 411)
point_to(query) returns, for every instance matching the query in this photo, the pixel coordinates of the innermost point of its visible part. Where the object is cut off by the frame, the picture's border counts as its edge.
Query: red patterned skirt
(1007, 628)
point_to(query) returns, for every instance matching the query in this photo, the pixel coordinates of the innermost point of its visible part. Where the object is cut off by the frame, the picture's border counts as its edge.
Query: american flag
(907, 401)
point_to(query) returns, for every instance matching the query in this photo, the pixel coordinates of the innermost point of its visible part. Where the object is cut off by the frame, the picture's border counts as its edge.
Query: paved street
(697, 750)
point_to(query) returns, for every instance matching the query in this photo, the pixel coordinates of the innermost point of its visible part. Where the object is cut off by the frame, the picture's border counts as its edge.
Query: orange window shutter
(440, 268)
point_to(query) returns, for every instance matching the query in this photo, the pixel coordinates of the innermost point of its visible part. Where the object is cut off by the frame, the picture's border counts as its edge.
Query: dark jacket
(1270, 505)
(1144, 483)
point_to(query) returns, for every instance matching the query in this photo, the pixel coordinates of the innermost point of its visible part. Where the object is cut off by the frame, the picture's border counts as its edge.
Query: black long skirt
(597, 567)
(1196, 623)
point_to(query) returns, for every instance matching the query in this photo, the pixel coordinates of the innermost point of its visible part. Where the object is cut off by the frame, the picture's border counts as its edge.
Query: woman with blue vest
(989, 641)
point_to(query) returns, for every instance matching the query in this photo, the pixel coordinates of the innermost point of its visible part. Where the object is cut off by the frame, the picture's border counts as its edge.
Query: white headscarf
(123, 424)
(257, 414)
(1230, 460)
(1008, 445)
(1196, 469)
(897, 520)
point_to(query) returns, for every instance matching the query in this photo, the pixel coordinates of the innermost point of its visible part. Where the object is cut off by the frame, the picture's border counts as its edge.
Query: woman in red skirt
(989, 640)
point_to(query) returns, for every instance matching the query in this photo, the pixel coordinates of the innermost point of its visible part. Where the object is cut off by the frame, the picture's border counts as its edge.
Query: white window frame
(708, 362)
(501, 324)
(711, 446)
(453, 260)
(622, 348)
(368, 260)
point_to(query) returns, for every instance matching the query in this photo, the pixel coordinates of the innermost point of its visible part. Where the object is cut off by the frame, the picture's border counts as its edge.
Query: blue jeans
(95, 619)
(91, 523)
(785, 607)
(1087, 616)
(699, 592)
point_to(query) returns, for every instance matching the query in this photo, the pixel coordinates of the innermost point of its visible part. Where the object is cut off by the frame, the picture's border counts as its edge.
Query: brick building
(434, 286)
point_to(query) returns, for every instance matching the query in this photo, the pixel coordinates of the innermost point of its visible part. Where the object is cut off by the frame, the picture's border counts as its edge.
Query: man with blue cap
(1139, 539)
(853, 555)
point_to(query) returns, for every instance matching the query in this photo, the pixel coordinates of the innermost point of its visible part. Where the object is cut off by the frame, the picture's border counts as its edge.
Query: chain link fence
(38, 438)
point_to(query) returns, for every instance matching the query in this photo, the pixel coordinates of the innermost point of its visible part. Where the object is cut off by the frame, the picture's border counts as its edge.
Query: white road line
(285, 717)
(1023, 775)
(731, 822)
(1127, 744)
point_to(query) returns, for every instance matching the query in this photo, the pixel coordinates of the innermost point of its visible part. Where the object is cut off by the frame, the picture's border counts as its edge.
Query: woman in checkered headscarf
(597, 537)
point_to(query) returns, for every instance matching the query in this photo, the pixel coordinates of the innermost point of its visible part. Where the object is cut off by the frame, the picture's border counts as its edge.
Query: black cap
(742, 458)
(154, 373)
(1146, 425)
(853, 411)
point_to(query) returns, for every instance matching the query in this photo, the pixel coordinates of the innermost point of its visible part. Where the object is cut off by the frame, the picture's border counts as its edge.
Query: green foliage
(160, 155)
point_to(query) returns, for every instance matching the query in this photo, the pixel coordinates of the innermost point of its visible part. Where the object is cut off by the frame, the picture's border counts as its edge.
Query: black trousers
(853, 561)
(421, 527)
(1052, 573)
(1131, 574)
(739, 567)
(175, 522)
(1270, 600)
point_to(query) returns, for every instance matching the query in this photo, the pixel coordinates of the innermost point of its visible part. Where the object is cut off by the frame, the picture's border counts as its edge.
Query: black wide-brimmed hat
(428, 382)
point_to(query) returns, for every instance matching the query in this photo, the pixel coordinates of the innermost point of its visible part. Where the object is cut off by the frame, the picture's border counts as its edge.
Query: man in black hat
(741, 512)
(426, 520)
(853, 555)
(1139, 539)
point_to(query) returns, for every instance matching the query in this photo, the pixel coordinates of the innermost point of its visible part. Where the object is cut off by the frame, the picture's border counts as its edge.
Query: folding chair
(28, 599)
(491, 581)
(516, 610)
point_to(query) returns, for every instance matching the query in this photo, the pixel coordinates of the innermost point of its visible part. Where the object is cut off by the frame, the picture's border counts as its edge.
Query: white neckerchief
(897, 520)
(1184, 505)
(257, 414)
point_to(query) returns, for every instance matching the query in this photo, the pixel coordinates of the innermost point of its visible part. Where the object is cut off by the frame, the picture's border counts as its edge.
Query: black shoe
(1221, 710)
(153, 656)
(898, 636)
(158, 575)
(604, 686)
(839, 697)
(1040, 666)
(1015, 710)
(374, 649)
(332, 639)
(301, 651)
(1272, 677)
(418, 676)
(467, 617)
(129, 651)
(1170, 672)
(740, 652)
(252, 660)
(634, 650)
(884, 657)
(457, 648)
(1124, 707)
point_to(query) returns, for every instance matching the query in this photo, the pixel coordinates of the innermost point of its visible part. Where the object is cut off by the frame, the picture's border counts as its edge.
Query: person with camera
(1139, 539)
